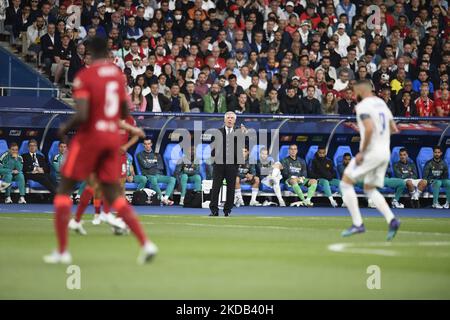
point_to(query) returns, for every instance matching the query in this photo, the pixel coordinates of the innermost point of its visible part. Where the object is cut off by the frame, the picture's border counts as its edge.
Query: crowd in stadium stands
(291, 171)
(249, 56)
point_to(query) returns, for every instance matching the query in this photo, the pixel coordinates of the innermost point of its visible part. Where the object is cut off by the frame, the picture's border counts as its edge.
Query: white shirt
(339, 85)
(378, 111)
(228, 130)
(244, 83)
(156, 106)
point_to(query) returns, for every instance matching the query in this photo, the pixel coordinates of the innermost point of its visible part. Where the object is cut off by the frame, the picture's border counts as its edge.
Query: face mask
(178, 17)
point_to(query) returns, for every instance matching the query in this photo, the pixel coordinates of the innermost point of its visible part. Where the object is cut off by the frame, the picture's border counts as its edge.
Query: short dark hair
(437, 148)
(347, 154)
(98, 47)
(403, 150)
(13, 144)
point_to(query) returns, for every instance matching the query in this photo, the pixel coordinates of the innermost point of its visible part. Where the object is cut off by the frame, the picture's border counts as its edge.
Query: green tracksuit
(246, 168)
(152, 167)
(406, 170)
(436, 173)
(188, 173)
(56, 164)
(297, 168)
(7, 165)
(139, 179)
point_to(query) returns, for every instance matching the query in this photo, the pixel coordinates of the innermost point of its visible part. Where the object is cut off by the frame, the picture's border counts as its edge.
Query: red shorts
(123, 166)
(97, 154)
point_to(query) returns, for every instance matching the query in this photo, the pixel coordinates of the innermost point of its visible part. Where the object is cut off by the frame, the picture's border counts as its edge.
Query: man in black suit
(49, 42)
(226, 163)
(157, 102)
(35, 167)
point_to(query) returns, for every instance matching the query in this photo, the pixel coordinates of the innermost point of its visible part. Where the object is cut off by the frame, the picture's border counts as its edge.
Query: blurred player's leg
(112, 193)
(63, 204)
(382, 206)
(351, 202)
(85, 199)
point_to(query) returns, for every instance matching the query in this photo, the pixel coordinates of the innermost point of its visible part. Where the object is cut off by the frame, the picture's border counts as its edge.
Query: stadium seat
(284, 151)
(53, 151)
(254, 153)
(395, 156)
(338, 155)
(447, 159)
(425, 154)
(139, 148)
(3, 147)
(310, 155)
(171, 157)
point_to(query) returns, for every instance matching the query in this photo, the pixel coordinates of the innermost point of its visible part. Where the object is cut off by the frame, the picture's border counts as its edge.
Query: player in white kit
(375, 122)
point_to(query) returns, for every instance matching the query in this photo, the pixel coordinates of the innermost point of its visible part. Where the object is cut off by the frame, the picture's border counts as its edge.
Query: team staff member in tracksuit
(295, 175)
(188, 172)
(322, 168)
(58, 160)
(407, 170)
(246, 175)
(152, 167)
(11, 168)
(436, 173)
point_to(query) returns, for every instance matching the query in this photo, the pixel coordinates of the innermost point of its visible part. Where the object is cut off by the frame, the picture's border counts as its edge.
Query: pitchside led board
(164, 128)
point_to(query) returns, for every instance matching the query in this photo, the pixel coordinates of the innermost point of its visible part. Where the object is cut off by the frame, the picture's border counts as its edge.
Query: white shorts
(415, 182)
(371, 171)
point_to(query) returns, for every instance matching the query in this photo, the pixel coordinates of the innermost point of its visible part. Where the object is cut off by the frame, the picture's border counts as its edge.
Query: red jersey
(125, 135)
(103, 85)
(425, 107)
(444, 105)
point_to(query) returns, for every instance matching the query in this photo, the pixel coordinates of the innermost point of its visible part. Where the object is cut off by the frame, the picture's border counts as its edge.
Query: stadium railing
(332, 131)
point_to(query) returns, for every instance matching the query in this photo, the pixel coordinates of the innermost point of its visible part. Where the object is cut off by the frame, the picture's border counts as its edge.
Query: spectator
(442, 105)
(342, 82)
(11, 169)
(406, 107)
(290, 103)
(329, 103)
(57, 161)
(178, 100)
(252, 98)
(34, 34)
(271, 104)
(157, 102)
(63, 55)
(346, 106)
(310, 105)
(36, 168)
(406, 169)
(194, 100)
(295, 175)
(422, 78)
(188, 171)
(214, 101)
(76, 62)
(138, 101)
(322, 169)
(152, 167)
(49, 42)
(435, 173)
(424, 105)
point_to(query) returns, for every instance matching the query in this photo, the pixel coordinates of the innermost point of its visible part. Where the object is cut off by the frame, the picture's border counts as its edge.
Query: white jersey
(377, 110)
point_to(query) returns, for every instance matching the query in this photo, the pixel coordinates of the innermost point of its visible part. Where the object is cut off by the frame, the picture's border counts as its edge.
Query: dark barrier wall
(15, 73)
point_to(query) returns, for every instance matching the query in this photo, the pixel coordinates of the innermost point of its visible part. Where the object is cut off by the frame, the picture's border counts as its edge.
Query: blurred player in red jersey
(101, 103)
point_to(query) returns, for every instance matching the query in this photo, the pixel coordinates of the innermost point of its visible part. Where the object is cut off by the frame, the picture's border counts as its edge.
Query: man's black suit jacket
(28, 163)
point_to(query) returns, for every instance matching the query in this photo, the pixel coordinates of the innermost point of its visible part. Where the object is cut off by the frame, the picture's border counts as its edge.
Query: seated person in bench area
(140, 180)
(246, 175)
(36, 167)
(188, 172)
(11, 166)
(152, 167)
(322, 169)
(269, 173)
(406, 169)
(436, 174)
(295, 175)
(58, 160)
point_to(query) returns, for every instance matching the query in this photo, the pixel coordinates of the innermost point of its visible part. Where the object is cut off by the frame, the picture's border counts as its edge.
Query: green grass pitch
(240, 257)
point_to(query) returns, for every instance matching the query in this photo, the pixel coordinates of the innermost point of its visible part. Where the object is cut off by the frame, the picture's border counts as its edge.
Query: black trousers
(44, 179)
(220, 172)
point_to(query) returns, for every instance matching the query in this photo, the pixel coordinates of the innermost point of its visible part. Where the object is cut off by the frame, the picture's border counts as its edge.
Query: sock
(125, 211)
(97, 205)
(85, 198)
(381, 204)
(277, 189)
(238, 194)
(311, 190)
(331, 199)
(298, 191)
(351, 201)
(63, 205)
(254, 194)
(106, 206)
